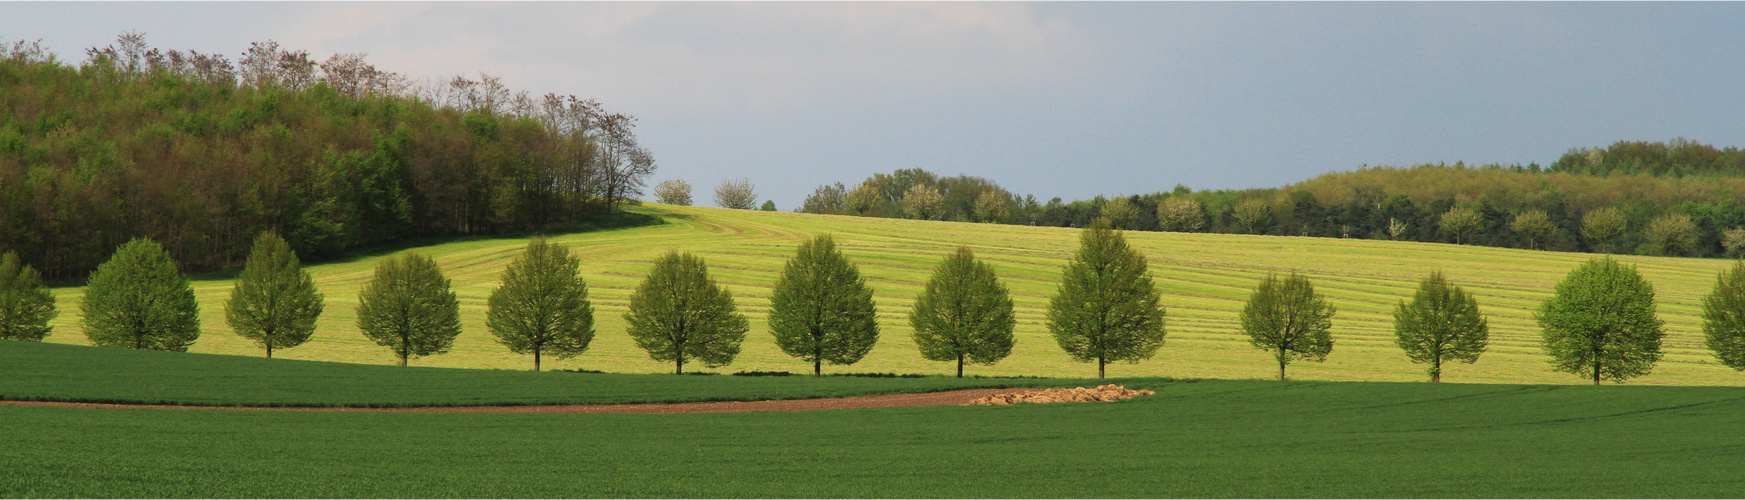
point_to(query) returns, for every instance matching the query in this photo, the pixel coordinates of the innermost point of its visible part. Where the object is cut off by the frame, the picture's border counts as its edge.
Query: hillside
(1205, 279)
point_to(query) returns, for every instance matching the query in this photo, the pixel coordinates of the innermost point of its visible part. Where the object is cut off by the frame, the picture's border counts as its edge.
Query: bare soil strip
(958, 397)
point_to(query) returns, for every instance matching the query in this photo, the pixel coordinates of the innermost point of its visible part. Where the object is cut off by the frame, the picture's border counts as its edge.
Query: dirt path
(958, 397)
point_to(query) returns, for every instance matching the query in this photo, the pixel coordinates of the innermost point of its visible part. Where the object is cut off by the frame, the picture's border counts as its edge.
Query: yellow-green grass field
(1205, 279)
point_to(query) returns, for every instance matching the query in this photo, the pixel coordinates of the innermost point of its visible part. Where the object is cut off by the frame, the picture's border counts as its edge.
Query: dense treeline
(1676, 198)
(202, 155)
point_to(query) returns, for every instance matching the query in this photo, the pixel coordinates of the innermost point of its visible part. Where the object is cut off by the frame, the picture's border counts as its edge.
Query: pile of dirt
(1107, 392)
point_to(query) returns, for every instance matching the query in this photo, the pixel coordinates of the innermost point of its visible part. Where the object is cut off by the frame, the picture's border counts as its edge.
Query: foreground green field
(31, 371)
(1205, 280)
(1192, 439)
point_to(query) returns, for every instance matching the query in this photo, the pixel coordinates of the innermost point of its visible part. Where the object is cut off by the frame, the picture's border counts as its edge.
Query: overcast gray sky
(1055, 99)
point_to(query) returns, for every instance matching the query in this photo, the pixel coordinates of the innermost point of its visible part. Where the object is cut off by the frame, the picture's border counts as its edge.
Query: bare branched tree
(737, 194)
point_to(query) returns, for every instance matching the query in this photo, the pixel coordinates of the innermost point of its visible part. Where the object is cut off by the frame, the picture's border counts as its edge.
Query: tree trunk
(1100, 364)
(960, 365)
(1596, 370)
(679, 365)
(817, 367)
(269, 347)
(1436, 371)
(1281, 365)
(536, 359)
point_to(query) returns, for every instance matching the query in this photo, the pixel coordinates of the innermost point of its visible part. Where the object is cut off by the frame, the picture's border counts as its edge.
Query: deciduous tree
(1441, 323)
(26, 306)
(821, 309)
(1120, 212)
(1181, 214)
(409, 307)
(1534, 225)
(1286, 317)
(1724, 317)
(1460, 222)
(541, 307)
(737, 194)
(673, 192)
(274, 302)
(1602, 226)
(1106, 308)
(1600, 323)
(1253, 214)
(923, 202)
(680, 314)
(828, 199)
(1671, 235)
(964, 313)
(138, 299)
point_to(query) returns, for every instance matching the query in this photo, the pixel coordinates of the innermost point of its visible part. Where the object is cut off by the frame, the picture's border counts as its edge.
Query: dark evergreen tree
(821, 310)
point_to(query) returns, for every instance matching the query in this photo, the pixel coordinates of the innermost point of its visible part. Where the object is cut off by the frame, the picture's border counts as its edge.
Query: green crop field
(1193, 439)
(1205, 279)
(31, 371)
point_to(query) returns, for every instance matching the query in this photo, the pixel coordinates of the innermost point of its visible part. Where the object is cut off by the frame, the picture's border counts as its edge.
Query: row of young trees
(1599, 323)
(200, 154)
(1677, 198)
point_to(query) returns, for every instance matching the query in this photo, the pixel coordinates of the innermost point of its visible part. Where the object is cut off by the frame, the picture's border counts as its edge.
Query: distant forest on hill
(1678, 198)
(203, 155)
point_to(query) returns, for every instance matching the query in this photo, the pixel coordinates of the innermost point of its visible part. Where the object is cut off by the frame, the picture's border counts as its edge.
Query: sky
(1054, 99)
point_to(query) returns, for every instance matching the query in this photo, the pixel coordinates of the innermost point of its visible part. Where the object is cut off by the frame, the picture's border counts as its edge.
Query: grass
(1193, 439)
(32, 371)
(1205, 279)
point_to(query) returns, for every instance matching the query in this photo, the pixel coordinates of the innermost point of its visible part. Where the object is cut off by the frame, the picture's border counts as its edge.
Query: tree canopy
(1600, 323)
(541, 307)
(139, 300)
(1106, 308)
(26, 306)
(409, 307)
(821, 310)
(964, 314)
(1441, 323)
(1288, 319)
(274, 302)
(680, 314)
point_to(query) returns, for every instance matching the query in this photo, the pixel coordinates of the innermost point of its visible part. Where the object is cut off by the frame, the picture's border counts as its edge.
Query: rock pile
(1108, 392)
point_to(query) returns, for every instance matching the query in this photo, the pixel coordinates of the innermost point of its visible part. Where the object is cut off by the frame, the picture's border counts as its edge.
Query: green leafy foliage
(1441, 323)
(541, 307)
(1106, 308)
(964, 314)
(1603, 226)
(821, 310)
(1724, 317)
(409, 308)
(25, 305)
(1600, 323)
(274, 303)
(679, 314)
(139, 300)
(1286, 318)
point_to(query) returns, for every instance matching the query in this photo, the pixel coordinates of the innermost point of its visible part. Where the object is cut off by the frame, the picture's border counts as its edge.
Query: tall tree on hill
(679, 314)
(1106, 308)
(1181, 214)
(1671, 235)
(274, 302)
(138, 299)
(409, 307)
(991, 206)
(673, 192)
(1724, 317)
(1286, 317)
(623, 164)
(541, 307)
(828, 199)
(964, 313)
(26, 306)
(821, 309)
(1600, 323)
(923, 202)
(1441, 323)
(1603, 226)
(1121, 212)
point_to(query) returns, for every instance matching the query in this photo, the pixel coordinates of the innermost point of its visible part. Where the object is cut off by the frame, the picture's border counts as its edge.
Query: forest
(202, 155)
(1677, 197)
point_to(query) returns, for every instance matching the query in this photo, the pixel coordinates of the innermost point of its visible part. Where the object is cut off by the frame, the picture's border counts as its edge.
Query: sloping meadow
(1205, 279)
